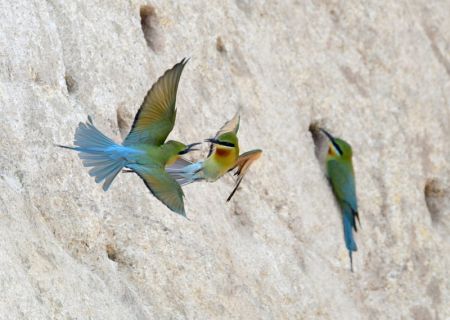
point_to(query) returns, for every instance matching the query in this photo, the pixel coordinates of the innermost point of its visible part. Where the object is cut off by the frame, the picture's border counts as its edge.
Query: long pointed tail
(349, 224)
(185, 172)
(99, 152)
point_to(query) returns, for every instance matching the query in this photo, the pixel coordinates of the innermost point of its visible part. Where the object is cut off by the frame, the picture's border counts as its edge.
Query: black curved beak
(333, 140)
(212, 140)
(328, 135)
(189, 148)
(222, 143)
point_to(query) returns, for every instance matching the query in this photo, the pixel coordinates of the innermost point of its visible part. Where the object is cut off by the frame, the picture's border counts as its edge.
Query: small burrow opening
(436, 198)
(242, 220)
(71, 84)
(220, 45)
(150, 28)
(319, 139)
(111, 251)
(124, 119)
(334, 16)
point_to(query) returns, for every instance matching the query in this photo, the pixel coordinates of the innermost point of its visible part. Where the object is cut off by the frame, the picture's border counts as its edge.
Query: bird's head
(226, 140)
(337, 148)
(179, 148)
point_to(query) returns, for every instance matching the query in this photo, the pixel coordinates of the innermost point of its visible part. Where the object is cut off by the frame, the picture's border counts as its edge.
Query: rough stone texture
(377, 74)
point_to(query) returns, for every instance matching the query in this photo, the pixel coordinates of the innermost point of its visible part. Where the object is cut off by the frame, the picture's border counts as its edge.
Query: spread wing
(343, 184)
(163, 187)
(243, 163)
(229, 126)
(156, 116)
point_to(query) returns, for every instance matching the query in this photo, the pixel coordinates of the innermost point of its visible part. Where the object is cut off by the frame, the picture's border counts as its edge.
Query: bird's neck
(169, 154)
(225, 155)
(219, 163)
(171, 160)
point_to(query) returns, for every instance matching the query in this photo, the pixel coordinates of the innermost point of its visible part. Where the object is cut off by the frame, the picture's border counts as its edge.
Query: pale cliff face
(377, 75)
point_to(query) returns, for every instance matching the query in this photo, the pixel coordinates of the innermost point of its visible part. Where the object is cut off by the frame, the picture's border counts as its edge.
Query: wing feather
(243, 163)
(163, 187)
(156, 116)
(343, 184)
(231, 125)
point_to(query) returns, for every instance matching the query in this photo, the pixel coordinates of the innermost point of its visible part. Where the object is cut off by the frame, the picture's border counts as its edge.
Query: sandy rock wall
(376, 74)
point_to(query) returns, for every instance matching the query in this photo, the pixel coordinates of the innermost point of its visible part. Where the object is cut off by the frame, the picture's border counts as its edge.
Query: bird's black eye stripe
(222, 143)
(185, 151)
(337, 147)
(333, 141)
(226, 144)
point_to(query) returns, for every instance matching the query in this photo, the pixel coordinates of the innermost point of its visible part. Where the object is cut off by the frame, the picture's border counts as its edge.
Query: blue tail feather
(348, 232)
(95, 163)
(113, 173)
(96, 150)
(87, 135)
(349, 223)
(186, 172)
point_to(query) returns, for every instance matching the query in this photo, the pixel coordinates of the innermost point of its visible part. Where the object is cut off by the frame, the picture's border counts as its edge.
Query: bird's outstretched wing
(156, 116)
(243, 163)
(231, 125)
(343, 184)
(163, 187)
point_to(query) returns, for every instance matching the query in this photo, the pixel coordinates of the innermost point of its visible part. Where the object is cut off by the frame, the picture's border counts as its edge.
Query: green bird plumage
(143, 150)
(342, 178)
(223, 157)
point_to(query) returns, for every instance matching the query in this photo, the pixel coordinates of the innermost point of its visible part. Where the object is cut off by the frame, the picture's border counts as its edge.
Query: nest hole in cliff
(71, 84)
(151, 28)
(318, 139)
(111, 251)
(124, 120)
(435, 196)
(220, 45)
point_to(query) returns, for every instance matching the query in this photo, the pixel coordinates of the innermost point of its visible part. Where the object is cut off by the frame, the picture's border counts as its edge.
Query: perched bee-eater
(143, 151)
(223, 157)
(342, 179)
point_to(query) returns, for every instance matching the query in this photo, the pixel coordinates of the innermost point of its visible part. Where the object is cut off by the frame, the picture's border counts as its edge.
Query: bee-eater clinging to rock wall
(342, 178)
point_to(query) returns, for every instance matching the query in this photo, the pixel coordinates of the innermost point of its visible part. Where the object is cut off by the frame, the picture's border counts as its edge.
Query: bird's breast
(225, 157)
(223, 152)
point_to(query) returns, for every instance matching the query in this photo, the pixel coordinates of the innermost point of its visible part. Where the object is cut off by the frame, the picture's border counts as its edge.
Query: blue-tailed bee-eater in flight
(223, 157)
(342, 178)
(144, 151)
